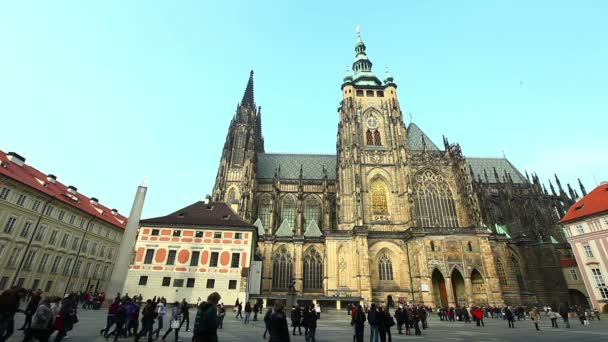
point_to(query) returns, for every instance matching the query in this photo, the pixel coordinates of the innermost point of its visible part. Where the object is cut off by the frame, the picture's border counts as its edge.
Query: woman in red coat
(478, 314)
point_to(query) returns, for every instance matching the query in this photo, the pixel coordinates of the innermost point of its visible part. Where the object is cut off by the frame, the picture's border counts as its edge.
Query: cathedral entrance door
(440, 294)
(460, 297)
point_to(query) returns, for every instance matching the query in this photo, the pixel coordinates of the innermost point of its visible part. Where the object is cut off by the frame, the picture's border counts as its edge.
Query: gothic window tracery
(312, 211)
(379, 197)
(369, 137)
(517, 271)
(385, 267)
(500, 271)
(231, 199)
(433, 201)
(313, 270)
(237, 149)
(377, 140)
(288, 211)
(264, 211)
(282, 269)
(477, 282)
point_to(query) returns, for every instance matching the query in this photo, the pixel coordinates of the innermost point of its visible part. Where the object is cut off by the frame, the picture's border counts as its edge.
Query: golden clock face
(372, 122)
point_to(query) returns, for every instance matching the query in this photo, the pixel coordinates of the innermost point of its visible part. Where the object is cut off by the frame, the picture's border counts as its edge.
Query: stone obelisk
(123, 257)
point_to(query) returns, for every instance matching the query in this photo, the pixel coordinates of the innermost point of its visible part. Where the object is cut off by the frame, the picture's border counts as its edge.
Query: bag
(59, 322)
(175, 324)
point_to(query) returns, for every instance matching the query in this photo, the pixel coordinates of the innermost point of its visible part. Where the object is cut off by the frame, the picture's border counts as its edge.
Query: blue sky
(105, 93)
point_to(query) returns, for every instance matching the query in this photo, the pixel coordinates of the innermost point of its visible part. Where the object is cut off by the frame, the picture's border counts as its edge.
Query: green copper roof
(285, 229)
(261, 230)
(502, 230)
(553, 240)
(312, 230)
(311, 164)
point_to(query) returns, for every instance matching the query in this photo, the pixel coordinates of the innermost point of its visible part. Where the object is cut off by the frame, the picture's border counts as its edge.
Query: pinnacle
(248, 99)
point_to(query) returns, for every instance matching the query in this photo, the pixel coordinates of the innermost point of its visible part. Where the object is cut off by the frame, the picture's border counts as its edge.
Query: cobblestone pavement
(335, 327)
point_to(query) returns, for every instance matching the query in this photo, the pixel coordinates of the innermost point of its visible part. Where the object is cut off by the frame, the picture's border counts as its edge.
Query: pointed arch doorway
(440, 295)
(458, 287)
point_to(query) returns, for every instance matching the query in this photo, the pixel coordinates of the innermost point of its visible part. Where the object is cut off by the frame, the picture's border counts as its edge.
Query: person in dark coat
(310, 322)
(563, 311)
(381, 319)
(148, 315)
(9, 305)
(358, 321)
(185, 314)
(277, 325)
(31, 308)
(267, 321)
(371, 319)
(256, 309)
(206, 322)
(510, 317)
(67, 312)
(296, 317)
(400, 318)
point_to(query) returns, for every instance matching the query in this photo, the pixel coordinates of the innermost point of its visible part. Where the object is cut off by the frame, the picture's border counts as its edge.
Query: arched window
(500, 271)
(385, 267)
(282, 269)
(231, 199)
(477, 282)
(288, 211)
(470, 246)
(369, 137)
(264, 210)
(377, 140)
(379, 197)
(433, 201)
(313, 270)
(517, 271)
(312, 211)
(237, 149)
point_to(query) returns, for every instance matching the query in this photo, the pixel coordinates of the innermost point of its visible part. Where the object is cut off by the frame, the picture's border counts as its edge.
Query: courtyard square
(335, 326)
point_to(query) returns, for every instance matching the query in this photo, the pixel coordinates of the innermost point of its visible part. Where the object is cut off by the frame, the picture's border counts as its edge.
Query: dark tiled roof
(216, 214)
(414, 139)
(312, 165)
(594, 203)
(488, 164)
(33, 178)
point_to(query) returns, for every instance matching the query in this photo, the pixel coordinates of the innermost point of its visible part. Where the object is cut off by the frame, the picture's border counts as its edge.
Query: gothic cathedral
(391, 216)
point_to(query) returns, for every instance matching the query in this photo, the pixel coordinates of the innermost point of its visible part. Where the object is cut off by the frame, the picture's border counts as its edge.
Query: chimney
(114, 212)
(16, 158)
(51, 178)
(72, 190)
(94, 201)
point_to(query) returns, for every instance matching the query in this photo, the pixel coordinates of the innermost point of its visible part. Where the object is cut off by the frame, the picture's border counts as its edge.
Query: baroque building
(391, 216)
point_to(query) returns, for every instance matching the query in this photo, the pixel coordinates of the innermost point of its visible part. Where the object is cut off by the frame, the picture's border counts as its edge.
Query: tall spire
(248, 99)
(362, 66)
(582, 187)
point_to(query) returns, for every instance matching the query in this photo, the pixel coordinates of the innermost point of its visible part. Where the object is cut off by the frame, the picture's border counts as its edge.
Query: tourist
(9, 305)
(510, 317)
(239, 310)
(120, 320)
(66, 316)
(563, 311)
(465, 315)
(382, 327)
(31, 308)
(371, 319)
(310, 322)
(422, 314)
(358, 323)
(176, 321)
(317, 309)
(185, 307)
(553, 317)
(277, 325)
(296, 317)
(478, 315)
(400, 317)
(221, 313)
(161, 311)
(267, 321)
(206, 321)
(256, 309)
(40, 323)
(247, 313)
(416, 322)
(535, 317)
(148, 314)
(110, 317)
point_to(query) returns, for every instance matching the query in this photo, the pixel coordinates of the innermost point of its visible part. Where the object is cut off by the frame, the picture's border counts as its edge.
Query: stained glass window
(379, 197)
(288, 211)
(500, 271)
(312, 211)
(377, 140)
(385, 267)
(282, 269)
(313, 270)
(477, 282)
(369, 137)
(264, 211)
(433, 200)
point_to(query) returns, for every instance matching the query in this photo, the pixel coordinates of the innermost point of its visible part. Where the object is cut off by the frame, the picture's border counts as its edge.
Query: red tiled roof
(594, 203)
(37, 180)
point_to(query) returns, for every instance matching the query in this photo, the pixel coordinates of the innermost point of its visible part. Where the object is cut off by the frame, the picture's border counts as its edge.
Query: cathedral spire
(248, 99)
(362, 66)
(582, 187)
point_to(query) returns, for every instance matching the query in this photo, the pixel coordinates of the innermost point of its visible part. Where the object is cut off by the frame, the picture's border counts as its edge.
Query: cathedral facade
(391, 216)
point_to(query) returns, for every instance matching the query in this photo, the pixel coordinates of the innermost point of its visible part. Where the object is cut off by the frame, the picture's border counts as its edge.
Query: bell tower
(371, 149)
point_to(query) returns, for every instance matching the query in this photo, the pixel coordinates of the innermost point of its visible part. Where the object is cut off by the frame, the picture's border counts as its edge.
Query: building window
(264, 211)
(4, 193)
(155, 232)
(143, 280)
(580, 229)
(385, 267)
(61, 215)
(87, 270)
(75, 242)
(379, 197)
(94, 249)
(236, 257)
(85, 246)
(3, 282)
(190, 282)
(195, 257)
(149, 256)
(359, 92)
(313, 270)
(217, 235)
(238, 236)
(600, 283)
(433, 201)
(177, 232)
(500, 271)
(312, 210)
(26, 229)
(477, 282)
(36, 205)
(288, 211)
(102, 251)
(12, 261)
(369, 93)
(48, 286)
(42, 263)
(282, 269)
(20, 282)
(232, 284)
(21, 200)
(56, 263)
(198, 234)
(210, 283)
(432, 246)
(66, 266)
(377, 139)
(470, 246)
(64, 240)
(27, 265)
(40, 233)
(48, 211)
(171, 257)
(53, 237)
(77, 265)
(380, 93)
(110, 253)
(518, 273)
(369, 137)
(588, 251)
(213, 260)
(104, 272)
(72, 219)
(8, 227)
(166, 281)
(573, 274)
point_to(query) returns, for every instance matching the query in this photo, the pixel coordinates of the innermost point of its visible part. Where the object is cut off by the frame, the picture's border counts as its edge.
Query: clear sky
(105, 93)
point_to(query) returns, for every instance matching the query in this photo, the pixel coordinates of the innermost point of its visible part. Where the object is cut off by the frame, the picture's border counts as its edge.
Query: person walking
(148, 314)
(510, 317)
(206, 322)
(31, 308)
(563, 311)
(66, 316)
(400, 317)
(296, 318)
(185, 307)
(176, 319)
(9, 305)
(40, 324)
(161, 311)
(535, 317)
(277, 325)
(110, 317)
(256, 309)
(239, 310)
(478, 314)
(267, 321)
(553, 316)
(247, 313)
(221, 313)
(120, 320)
(371, 320)
(358, 322)
(310, 322)
(381, 326)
